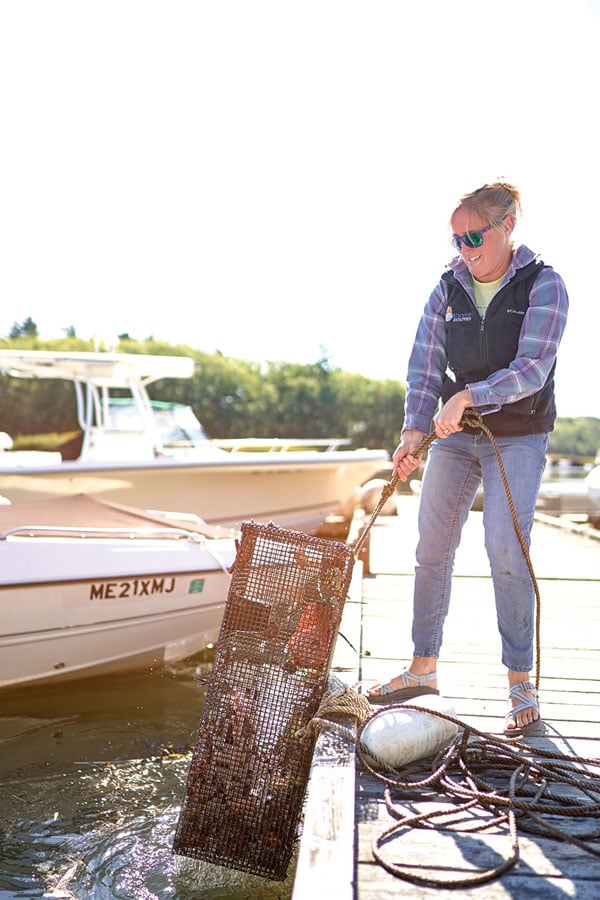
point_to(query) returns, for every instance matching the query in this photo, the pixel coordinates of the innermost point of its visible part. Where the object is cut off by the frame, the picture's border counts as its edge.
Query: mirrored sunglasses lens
(456, 241)
(473, 239)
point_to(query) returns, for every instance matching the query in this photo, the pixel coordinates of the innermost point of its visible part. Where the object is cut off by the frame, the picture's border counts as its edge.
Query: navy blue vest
(477, 347)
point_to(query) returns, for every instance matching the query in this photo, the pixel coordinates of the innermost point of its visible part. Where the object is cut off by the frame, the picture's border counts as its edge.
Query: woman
(488, 340)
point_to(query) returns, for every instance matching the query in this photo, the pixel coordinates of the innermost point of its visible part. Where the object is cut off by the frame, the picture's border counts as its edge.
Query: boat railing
(280, 445)
(103, 532)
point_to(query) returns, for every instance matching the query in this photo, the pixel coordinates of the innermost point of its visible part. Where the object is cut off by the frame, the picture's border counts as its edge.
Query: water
(92, 777)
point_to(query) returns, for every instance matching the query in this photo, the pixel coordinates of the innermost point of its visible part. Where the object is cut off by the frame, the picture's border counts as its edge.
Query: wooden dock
(345, 808)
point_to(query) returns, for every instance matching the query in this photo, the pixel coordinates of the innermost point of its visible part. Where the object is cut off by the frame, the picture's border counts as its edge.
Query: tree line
(238, 398)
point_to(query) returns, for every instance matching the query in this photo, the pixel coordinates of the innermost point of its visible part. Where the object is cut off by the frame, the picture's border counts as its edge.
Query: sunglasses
(470, 238)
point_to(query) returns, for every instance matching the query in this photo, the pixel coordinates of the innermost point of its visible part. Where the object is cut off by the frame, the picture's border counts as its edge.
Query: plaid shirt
(541, 332)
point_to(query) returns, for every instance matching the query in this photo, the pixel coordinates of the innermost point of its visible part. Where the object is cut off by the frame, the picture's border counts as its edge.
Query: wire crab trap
(251, 762)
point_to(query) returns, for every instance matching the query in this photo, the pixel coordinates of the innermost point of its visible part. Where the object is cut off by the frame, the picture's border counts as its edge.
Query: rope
(337, 701)
(511, 782)
(473, 420)
(386, 492)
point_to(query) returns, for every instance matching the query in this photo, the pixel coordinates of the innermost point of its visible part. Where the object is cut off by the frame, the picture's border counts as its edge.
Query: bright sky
(274, 179)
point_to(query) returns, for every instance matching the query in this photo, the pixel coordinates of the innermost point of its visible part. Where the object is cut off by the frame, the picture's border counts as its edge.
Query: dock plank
(325, 864)
(385, 887)
(326, 857)
(453, 854)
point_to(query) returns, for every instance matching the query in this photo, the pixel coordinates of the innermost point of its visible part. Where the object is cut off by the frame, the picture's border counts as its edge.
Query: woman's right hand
(403, 457)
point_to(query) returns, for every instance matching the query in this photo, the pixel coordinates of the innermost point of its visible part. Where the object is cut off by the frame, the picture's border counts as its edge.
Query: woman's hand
(403, 457)
(447, 421)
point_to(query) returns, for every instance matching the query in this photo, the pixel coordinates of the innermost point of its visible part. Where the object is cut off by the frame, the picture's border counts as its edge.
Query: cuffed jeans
(455, 468)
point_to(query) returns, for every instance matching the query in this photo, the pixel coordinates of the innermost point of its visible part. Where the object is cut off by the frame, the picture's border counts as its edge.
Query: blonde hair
(492, 202)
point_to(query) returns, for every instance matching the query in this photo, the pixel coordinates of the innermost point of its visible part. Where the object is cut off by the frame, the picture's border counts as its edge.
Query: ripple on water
(73, 827)
(105, 831)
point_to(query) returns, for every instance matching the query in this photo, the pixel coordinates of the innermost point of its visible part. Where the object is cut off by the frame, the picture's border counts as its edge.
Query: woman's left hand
(447, 421)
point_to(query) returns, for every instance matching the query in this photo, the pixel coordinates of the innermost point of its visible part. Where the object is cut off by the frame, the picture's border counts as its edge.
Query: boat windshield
(177, 424)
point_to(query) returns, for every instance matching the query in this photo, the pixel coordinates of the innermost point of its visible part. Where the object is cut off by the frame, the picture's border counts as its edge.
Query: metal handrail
(73, 531)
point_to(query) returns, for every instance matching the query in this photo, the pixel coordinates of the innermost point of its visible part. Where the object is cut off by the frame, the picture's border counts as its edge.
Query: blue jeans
(455, 468)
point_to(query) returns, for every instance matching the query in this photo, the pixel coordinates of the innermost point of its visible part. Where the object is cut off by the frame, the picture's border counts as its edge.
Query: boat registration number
(140, 587)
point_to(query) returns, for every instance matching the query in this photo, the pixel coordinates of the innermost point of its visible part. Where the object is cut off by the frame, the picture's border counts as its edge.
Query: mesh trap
(251, 762)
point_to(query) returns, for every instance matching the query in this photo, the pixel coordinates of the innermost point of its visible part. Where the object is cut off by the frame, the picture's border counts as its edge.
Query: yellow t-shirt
(484, 291)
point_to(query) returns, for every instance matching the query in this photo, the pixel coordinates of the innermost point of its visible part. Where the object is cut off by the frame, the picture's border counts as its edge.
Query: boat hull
(138, 606)
(593, 489)
(293, 490)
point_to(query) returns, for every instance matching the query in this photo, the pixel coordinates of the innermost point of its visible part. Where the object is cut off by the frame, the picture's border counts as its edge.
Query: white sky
(273, 179)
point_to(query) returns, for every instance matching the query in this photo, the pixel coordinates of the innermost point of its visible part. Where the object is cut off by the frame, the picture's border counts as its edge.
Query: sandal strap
(409, 678)
(517, 689)
(525, 702)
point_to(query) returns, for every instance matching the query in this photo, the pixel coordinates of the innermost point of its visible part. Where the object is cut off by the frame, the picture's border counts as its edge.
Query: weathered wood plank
(451, 854)
(325, 864)
(376, 884)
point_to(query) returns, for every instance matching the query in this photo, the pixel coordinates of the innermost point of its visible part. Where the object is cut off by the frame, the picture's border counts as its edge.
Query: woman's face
(491, 260)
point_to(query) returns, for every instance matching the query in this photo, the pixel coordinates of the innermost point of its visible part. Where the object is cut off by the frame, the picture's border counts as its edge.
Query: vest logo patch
(458, 317)
(515, 312)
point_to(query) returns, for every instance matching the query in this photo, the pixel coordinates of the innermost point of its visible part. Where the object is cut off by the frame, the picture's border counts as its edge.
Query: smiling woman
(487, 226)
(487, 341)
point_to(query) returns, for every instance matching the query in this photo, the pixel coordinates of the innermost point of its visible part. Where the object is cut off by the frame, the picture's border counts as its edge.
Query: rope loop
(337, 701)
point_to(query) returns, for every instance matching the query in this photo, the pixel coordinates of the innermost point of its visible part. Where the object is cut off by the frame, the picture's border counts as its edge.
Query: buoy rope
(337, 701)
(473, 420)
(512, 783)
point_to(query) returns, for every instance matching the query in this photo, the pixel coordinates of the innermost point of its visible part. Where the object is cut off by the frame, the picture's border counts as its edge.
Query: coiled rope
(511, 783)
(338, 700)
(499, 781)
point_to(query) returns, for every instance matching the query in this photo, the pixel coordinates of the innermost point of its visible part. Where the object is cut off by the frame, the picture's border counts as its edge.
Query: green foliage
(36, 407)
(576, 437)
(51, 441)
(27, 328)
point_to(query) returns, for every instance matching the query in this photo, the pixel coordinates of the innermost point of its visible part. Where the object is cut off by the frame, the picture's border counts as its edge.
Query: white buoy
(397, 736)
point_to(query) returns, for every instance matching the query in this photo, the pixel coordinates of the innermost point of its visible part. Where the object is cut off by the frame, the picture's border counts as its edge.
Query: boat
(89, 587)
(556, 497)
(592, 482)
(145, 454)
(563, 497)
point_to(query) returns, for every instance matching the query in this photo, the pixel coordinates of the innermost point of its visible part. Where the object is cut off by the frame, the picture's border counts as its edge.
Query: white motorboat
(145, 454)
(592, 482)
(89, 587)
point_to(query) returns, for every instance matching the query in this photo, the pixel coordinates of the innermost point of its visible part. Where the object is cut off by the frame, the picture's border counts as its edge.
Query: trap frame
(251, 761)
